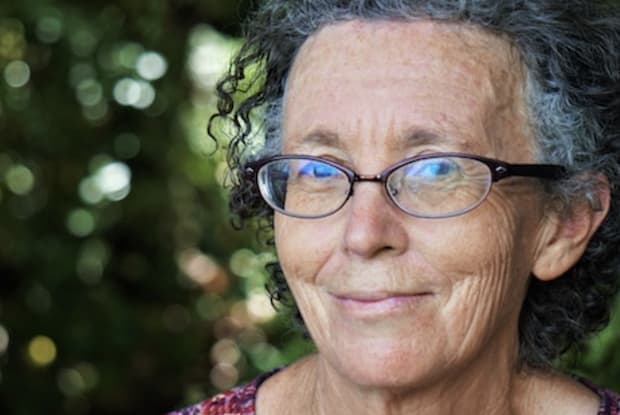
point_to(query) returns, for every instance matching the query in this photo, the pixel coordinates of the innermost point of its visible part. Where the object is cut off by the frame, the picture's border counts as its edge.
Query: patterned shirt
(241, 400)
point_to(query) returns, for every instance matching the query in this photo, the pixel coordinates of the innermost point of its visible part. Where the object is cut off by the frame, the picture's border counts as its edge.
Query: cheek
(303, 246)
(302, 251)
(486, 269)
(488, 243)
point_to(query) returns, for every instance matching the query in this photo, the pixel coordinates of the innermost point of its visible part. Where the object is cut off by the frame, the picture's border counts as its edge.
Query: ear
(567, 235)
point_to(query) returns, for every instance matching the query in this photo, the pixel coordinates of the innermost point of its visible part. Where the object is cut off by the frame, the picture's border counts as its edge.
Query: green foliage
(123, 289)
(598, 359)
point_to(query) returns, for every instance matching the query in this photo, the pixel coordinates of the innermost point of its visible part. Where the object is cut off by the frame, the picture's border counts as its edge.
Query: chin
(386, 363)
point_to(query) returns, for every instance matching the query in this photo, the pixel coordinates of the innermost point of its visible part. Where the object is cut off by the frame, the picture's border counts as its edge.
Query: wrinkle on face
(497, 108)
(369, 95)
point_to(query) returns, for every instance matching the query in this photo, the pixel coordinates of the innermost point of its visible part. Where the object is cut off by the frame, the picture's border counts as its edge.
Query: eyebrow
(323, 137)
(419, 136)
(413, 136)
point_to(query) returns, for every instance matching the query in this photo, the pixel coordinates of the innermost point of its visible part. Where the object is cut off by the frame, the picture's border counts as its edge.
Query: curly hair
(571, 54)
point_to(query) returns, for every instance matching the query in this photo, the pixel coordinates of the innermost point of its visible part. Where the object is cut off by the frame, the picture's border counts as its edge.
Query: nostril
(371, 231)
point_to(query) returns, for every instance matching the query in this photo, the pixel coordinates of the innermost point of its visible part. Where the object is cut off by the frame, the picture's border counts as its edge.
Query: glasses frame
(499, 170)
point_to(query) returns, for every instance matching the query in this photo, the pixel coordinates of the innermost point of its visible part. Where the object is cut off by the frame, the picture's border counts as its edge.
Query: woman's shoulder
(240, 400)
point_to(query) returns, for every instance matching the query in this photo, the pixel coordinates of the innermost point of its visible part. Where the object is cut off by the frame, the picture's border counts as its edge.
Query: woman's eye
(432, 168)
(317, 170)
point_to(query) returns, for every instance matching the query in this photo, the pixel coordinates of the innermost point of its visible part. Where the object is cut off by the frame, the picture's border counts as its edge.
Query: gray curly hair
(571, 52)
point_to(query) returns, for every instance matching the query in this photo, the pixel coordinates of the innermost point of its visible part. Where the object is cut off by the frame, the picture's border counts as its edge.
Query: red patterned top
(241, 400)
(237, 401)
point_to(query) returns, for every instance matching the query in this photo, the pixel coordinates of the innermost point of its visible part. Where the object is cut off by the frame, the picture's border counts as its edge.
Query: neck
(491, 384)
(493, 387)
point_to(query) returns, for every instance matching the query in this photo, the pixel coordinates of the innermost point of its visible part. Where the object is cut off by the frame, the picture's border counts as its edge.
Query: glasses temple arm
(544, 171)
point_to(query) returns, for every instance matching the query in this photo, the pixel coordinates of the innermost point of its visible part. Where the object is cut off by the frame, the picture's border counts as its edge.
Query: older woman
(441, 177)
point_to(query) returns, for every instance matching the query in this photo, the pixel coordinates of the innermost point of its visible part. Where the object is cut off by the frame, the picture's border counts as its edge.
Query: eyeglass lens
(439, 187)
(432, 187)
(305, 188)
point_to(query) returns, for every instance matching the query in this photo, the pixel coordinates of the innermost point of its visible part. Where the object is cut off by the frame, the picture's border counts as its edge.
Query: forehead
(346, 43)
(405, 76)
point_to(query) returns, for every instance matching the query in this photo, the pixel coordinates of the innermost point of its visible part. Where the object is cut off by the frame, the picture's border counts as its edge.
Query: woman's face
(390, 299)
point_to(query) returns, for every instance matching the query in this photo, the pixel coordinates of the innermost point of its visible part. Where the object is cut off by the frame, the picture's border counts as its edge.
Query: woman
(441, 179)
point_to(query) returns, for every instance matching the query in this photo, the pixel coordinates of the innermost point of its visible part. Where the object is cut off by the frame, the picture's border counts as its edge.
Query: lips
(372, 305)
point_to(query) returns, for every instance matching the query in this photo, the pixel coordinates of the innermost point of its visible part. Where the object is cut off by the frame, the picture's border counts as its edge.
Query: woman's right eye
(317, 169)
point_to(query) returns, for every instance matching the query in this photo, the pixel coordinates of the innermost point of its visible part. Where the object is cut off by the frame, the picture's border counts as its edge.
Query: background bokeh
(123, 287)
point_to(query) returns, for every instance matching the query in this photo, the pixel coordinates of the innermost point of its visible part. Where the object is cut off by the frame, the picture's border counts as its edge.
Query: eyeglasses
(434, 185)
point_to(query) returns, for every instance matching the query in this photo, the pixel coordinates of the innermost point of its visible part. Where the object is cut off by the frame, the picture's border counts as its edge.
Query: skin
(415, 315)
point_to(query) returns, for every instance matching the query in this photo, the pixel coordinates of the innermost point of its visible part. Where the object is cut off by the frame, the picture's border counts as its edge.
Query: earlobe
(567, 236)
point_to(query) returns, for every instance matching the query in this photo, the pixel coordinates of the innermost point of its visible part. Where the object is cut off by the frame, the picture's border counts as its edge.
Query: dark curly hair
(571, 52)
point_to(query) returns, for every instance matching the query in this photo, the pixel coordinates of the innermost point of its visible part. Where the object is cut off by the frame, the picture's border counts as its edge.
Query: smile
(369, 306)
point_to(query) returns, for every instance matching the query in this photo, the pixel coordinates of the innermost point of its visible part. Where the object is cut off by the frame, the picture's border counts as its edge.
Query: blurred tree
(123, 289)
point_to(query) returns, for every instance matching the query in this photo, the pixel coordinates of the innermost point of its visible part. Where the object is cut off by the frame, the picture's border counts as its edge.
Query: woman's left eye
(318, 170)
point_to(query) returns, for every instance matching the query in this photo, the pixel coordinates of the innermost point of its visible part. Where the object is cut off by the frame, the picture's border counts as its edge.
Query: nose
(374, 225)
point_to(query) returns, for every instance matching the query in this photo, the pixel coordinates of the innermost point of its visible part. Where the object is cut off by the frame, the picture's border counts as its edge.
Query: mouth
(374, 305)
